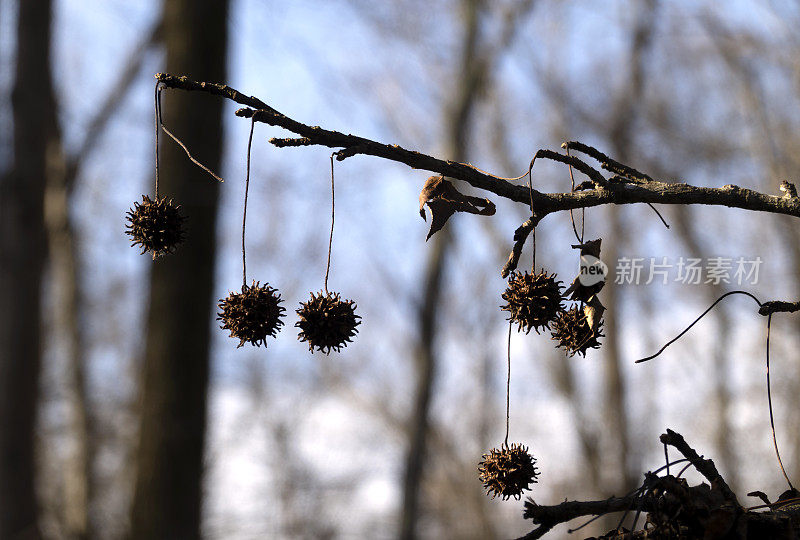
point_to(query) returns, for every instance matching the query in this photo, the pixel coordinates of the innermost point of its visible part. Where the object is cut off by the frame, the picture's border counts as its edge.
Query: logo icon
(592, 271)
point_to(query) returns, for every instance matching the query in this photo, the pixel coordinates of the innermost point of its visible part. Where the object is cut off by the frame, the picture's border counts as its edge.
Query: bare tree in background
(475, 61)
(168, 486)
(608, 441)
(425, 358)
(66, 268)
(22, 243)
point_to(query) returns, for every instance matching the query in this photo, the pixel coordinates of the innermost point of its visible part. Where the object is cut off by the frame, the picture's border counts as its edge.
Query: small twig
(705, 467)
(520, 237)
(533, 214)
(157, 106)
(583, 210)
(598, 179)
(778, 306)
(664, 221)
(615, 167)
(333, 215)
(177, 140)
(771, 416)
(683, 470)
(244, 213)
(606, 162)
(676, 338)
(508, 384)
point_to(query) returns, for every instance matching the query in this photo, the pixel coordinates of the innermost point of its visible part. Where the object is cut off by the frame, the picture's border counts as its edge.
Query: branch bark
(605, 191)
(674, 508)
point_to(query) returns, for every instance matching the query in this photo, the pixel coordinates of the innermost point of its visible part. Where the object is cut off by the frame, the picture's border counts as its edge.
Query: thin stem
(244, 213)
(157, 106)
(508, 384)
(507, 178)
(583, 210)
(533, 216)
(191, 157)
(177, 140)
(771, 417)
(330, 239)
(676, 338)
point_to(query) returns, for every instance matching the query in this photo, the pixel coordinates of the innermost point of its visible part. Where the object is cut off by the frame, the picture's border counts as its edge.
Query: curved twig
(676, 338)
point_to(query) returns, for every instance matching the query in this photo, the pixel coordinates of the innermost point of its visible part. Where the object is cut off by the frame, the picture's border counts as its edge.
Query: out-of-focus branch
(112, 100)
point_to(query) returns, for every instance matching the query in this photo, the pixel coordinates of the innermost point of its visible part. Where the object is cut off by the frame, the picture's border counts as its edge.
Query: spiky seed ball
(156, 225)
(253, 314)
(532, 300)
(572, 331)
(327, 322)
(508, 471)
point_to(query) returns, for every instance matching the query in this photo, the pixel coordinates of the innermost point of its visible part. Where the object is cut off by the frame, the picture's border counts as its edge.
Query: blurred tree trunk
(65, 267)
(169, 476)
(64, 270)
(22, 243)
(621, 140)
(470, 80)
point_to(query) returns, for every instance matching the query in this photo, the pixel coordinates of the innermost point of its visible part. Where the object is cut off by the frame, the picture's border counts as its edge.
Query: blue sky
(323, 63)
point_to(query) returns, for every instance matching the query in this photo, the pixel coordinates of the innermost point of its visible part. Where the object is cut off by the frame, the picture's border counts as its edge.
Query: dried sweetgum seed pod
(327, 322)
(533, 300)
(572, 331)
(155, 225)
(508, 471)
(253, 314)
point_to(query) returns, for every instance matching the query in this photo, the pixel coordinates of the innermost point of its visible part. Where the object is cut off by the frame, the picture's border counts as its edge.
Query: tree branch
(548, 517)
(778, 306)
(671, 504)
(705, 467)
(641, 190)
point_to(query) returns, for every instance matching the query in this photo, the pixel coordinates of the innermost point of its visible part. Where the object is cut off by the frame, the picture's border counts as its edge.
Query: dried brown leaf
(594, 313)
(577, 291)
(444, 200)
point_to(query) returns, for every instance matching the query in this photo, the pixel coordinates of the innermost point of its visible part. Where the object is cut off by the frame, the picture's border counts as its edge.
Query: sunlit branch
(641, 188)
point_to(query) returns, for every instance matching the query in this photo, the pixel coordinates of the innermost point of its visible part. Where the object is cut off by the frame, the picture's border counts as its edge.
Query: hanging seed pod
(532, 300)
(572, 331)
(327, 322)
(253, 314)
(508, 471)
(156, 225)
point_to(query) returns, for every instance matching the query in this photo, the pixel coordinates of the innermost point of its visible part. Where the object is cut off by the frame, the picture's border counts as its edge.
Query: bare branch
(705, 467)
(548, 517)
(778, 306)
(604, 192)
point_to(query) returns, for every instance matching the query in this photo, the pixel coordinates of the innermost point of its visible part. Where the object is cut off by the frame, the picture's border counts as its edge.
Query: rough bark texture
(22, 244)
(168, 486)
(615, 190)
